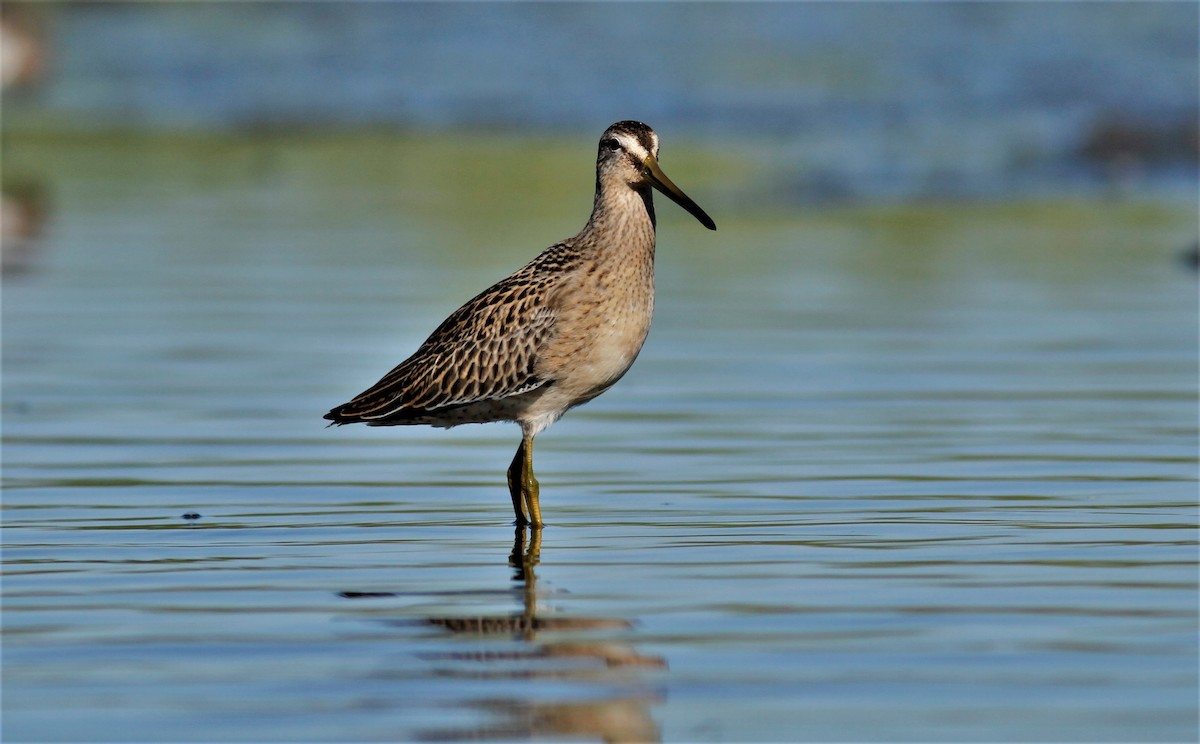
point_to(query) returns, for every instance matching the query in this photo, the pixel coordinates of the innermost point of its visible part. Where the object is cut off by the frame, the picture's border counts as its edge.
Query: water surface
(919, 472)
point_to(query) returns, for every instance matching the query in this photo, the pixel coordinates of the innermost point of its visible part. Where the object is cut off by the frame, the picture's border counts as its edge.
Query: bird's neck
(622, 220)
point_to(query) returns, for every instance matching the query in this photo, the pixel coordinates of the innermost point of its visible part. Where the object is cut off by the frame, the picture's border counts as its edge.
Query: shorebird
(554, 334)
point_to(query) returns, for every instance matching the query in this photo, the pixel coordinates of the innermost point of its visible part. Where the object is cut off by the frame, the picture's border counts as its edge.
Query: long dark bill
(675, 194)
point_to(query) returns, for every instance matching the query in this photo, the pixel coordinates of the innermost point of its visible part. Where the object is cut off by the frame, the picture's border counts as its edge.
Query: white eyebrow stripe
(632, 145)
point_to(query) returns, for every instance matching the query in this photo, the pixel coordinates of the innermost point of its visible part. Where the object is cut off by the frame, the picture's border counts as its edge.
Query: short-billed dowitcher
(555, 334)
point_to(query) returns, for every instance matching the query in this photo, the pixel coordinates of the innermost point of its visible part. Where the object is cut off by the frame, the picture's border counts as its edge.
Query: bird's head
(629, 152)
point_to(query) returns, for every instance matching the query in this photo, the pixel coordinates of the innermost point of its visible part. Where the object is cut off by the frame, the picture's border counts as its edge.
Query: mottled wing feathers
(486, 350)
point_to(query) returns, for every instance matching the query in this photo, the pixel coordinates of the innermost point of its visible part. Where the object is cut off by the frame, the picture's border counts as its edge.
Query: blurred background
(788, 106)
(832, 100)
(909, 455)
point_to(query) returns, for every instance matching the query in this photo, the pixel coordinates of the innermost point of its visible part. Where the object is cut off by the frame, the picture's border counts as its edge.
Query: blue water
(920, 473)
(896, 463)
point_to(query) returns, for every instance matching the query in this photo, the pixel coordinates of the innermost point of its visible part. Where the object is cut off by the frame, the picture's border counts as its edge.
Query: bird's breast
(601, 330)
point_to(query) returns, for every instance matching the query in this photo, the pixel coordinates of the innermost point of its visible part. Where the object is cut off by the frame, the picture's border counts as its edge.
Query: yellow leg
(514, 485)
(523, 486)
(532, 490)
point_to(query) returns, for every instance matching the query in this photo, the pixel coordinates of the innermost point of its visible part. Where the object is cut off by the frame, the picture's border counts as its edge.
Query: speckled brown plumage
(554, 334)
(485, 353)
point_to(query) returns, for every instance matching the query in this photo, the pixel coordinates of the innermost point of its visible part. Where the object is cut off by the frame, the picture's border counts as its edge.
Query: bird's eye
(611, 144)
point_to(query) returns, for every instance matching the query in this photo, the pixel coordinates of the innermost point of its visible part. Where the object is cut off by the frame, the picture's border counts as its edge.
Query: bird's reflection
(553, 649)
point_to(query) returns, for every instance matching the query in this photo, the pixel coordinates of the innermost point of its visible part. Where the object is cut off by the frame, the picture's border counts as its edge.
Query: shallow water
(904, 473)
